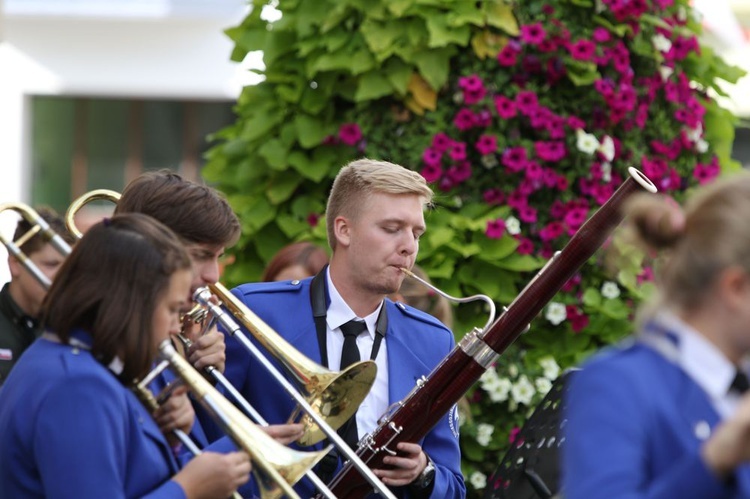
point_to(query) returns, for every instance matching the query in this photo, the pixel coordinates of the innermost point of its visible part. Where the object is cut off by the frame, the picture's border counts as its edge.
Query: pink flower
(578, 320)
(465, 119)
(473, 88)
(601, 35)
(350, 134)
(513, 434)
(441, 142)
(582, 50)
(486, 144)
(704, 174)
(312, 219)
(508, 56)
(525, 246)
(646, 275)
(527, 214)
(460, 172)
(431, 157)
(551, 231)
(533, 34)
(432, 173)
(493, 196)
(458, 153)
(505, 107)
(550, 151)
(526, 101)
(495, 229)
(514, 158)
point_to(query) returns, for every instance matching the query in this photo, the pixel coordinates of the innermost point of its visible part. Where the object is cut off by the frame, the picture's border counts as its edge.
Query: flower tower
(523, 116)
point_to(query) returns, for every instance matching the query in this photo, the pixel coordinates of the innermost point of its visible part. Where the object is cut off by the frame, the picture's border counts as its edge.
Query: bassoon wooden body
(435, 395)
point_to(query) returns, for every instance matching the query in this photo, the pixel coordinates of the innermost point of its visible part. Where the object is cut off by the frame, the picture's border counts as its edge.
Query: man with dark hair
(21, 298)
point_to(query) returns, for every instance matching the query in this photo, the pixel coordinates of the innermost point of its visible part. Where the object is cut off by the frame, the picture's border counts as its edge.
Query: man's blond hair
(361, 177)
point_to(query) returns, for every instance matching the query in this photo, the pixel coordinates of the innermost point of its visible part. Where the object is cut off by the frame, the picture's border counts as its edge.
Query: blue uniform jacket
(70, 429)
(635, 425)
(416, 343)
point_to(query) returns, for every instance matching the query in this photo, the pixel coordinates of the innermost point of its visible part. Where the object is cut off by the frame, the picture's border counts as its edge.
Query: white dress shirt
(376, 402)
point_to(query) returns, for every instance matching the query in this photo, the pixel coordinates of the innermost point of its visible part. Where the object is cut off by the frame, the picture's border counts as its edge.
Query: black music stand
(530, 469)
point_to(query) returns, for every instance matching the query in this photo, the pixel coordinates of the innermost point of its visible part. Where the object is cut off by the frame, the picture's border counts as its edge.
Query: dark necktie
(350, 355)
(740, 383)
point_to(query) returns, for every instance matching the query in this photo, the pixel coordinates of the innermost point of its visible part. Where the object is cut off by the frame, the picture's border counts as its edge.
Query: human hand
(207, 349)
(176, 413)
(729, 446)
(285, 433)
(210, 475)
(407, 466)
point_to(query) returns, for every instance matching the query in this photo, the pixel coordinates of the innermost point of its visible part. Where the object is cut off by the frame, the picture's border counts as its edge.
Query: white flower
(543, 385)
(523, 391)
(606, 172)
(499, 391)
(512, 370)
(458, 97)
(458, 201)
(556, 313)
(586, 142)
(489, 161)
(682, 14)
(512, 226)
(478, 480)
(701, 146)
(661, 43)
(694, 134)
(607, 148)
(551, 369)
(665, 72)
(484, 433)
(610, 290)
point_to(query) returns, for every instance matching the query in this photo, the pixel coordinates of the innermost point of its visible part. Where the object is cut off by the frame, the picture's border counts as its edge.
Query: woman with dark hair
(71, 425)
(295, 261)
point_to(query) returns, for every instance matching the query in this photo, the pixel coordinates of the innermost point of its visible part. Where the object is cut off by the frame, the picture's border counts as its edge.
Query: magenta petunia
(495, 229)
(550, 151)
(458, 152)
(514, 158)
(350, 133)
(582, 50)
(313, 219)
(506, 108)
(526, 101)
(533, 34)
(465, 119)
(487, 144)
(551, 231)
(441, 142)
(472, 88)
(508, 56)
(527, 214)
(432, 173)
(600, 35)
(493, 196)
(525, 246)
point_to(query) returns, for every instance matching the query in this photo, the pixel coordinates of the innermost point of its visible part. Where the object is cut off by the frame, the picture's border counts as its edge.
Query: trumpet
(276, 467)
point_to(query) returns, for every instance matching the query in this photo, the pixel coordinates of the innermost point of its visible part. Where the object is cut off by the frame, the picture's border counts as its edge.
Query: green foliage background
(393, 67)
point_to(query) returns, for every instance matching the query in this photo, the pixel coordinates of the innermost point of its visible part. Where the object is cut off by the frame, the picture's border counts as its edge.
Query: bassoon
(435, 395)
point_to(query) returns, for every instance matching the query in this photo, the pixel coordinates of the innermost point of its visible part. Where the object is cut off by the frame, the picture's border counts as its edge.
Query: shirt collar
(340, 313)
(700, 358)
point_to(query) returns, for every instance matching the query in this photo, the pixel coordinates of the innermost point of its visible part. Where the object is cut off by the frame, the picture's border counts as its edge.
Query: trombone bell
(335, 396)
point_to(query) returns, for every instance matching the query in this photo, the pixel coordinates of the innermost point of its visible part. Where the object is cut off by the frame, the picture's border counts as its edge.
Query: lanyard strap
(318, 294)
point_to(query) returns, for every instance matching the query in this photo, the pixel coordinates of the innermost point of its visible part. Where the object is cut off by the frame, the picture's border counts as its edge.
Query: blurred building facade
(93, 92)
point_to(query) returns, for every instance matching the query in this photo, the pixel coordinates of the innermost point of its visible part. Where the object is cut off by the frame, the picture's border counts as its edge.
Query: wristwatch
(425, 479)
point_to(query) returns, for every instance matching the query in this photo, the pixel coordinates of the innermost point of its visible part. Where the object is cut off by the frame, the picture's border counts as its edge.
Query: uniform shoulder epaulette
(270, 287)
(415, 313)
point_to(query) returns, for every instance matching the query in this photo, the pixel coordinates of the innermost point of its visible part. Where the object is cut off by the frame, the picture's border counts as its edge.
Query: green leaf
(592, 298)
(618, 29)
(274, 151)
(581, 73)
(314, 170)
(500, 15)
(520, 263)
(291, 226)
(372, 85)
(433, 65)
(259, 213)
(615, 309)
(494, 250)
(398, 73)
(281, 187)
(311, 131)
(439, 236)
(443, 34)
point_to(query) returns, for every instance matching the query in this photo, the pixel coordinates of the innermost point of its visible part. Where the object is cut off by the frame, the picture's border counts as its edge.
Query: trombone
(336, 385)
(38, 226)
(276, 467)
